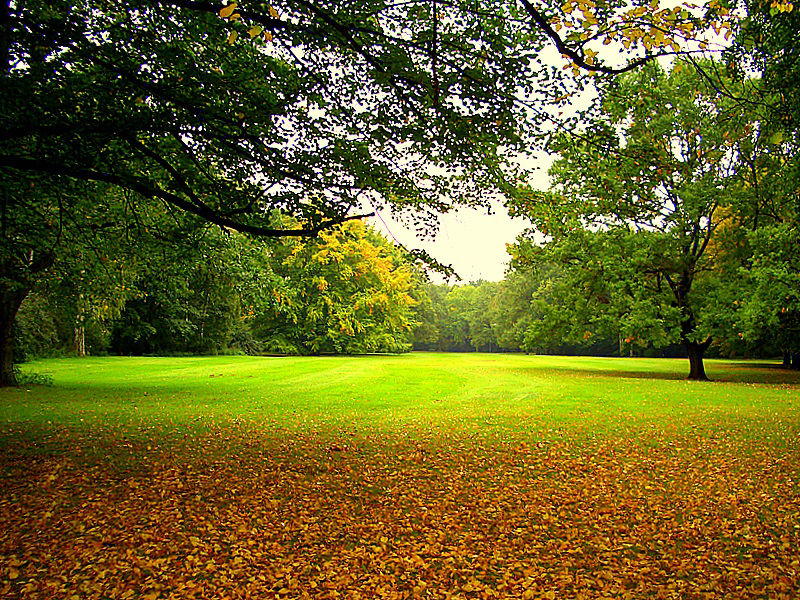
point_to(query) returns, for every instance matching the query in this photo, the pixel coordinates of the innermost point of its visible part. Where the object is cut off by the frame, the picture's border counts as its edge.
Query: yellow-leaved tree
(347, 291)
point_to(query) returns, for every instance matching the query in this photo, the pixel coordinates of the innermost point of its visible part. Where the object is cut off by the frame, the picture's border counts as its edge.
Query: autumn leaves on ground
(419, 476)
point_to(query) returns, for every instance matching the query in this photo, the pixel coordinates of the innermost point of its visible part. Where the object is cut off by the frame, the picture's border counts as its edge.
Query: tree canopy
(308, 108)
(640, 214)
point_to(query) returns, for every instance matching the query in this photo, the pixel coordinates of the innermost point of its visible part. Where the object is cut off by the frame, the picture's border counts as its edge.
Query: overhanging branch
(148, 190)
(577, 57)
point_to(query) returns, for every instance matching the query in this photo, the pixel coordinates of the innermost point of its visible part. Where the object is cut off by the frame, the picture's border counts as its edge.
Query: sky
(472, 241)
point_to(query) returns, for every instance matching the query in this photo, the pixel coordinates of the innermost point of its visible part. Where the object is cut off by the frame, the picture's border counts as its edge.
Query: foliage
(765, 42)
(36, 330)
(493, 317)
(770, 312)
(33, 378)
(640, 206)
(348, 291)
(201, 298)
(232, 114)
(458, 318)
(325, 107)
(42, 250)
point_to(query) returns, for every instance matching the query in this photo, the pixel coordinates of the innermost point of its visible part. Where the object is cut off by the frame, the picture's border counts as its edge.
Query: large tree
(635, 218)
(768, 41)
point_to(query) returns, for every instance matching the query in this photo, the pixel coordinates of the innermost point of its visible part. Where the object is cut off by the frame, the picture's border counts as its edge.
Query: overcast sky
(472, 241)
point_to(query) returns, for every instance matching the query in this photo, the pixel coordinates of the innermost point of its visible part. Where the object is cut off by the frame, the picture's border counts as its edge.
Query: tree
(767, 42)
(348, 291)
(769, 313)
(637, 201)
(428, 313)
(459, 318)
(40, 249)
(231, 113)
(201, 297)
(510, 308)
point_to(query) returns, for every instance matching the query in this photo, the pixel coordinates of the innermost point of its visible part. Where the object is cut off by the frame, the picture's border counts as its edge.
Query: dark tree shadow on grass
(743, 372)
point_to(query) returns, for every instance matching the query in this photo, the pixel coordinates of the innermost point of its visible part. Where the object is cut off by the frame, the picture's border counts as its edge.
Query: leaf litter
(246, 511)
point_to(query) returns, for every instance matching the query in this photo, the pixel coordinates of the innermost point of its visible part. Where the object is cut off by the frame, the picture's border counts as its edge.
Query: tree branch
(577, 57)
(147, 190)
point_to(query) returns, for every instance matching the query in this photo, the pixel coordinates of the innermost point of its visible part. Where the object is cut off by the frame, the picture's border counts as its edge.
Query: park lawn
(422, 475)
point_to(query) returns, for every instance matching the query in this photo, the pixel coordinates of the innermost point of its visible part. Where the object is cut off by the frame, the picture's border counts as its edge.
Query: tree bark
(695, 350)
(10, 301)
(79, 340)
(79, 331)
(787, 359)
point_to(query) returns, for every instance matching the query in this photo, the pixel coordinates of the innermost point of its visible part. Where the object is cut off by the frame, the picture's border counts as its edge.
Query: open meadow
(410, 476)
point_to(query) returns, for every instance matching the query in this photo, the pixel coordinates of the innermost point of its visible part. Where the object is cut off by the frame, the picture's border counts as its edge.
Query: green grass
(414, 476)
(470, 392)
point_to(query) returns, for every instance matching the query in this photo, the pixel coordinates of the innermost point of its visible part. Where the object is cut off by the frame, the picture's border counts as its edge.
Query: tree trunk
(79, 340)
(697, 371)
(79, 331)
(787, 359)
(10, 301)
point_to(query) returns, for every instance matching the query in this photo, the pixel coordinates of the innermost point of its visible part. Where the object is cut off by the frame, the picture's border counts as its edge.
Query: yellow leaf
(232, 37)
(228, 10)
(268, 36)
(13, 574)
(255, 30)
(273, 13)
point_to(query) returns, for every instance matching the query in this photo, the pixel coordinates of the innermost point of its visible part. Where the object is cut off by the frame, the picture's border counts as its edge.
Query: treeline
(347, 291)
(517, 315)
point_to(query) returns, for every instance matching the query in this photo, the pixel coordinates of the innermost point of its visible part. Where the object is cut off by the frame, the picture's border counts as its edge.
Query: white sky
(472, 241)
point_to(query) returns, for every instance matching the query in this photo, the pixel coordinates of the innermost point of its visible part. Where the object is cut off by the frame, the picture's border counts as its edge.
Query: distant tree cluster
(507, 316)
(347, 291)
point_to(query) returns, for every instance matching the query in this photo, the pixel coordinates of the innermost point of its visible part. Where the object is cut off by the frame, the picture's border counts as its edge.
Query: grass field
(423, 475)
